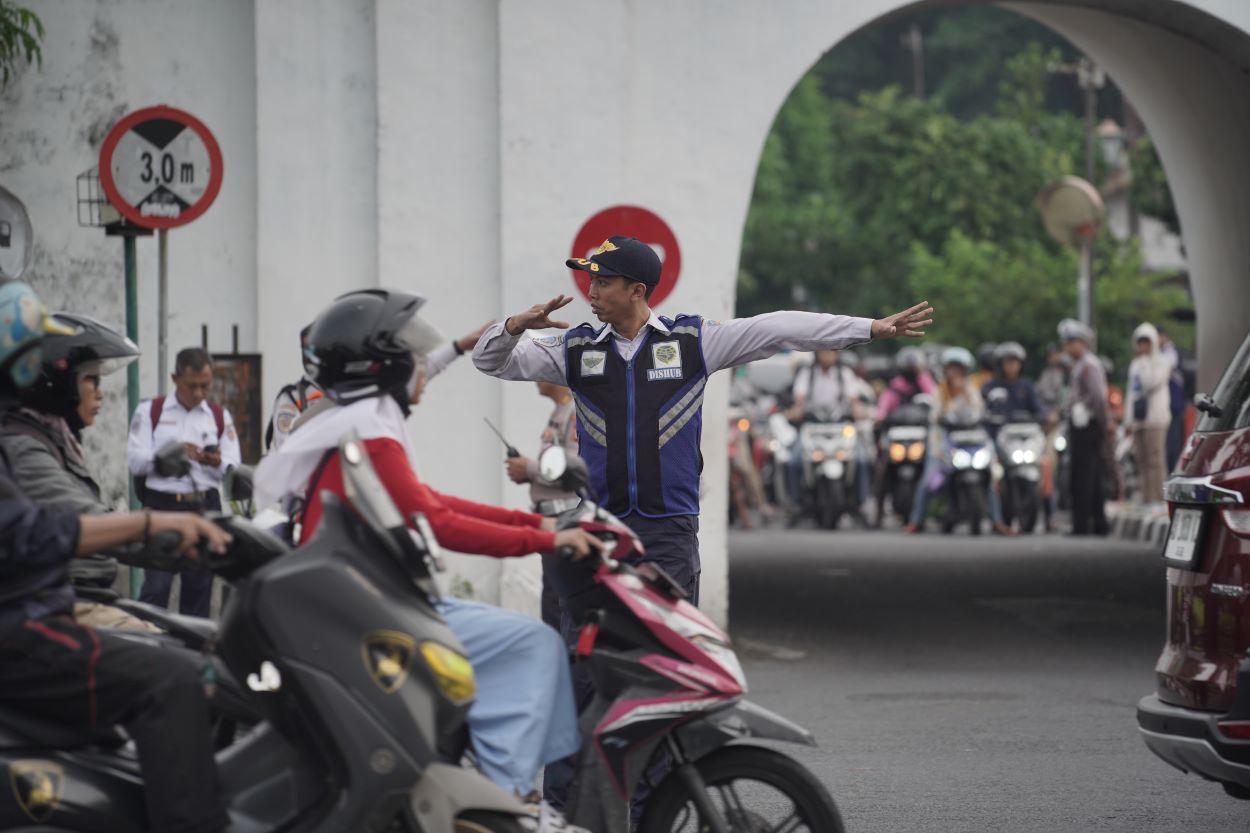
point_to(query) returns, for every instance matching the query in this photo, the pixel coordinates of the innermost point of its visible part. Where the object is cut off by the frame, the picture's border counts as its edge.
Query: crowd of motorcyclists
(937, 437)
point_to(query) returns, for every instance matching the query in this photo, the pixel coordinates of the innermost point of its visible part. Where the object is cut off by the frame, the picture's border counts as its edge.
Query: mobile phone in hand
(211, 449)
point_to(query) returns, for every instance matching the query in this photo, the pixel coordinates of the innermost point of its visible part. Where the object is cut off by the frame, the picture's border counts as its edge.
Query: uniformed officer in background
(294, 399)
(206, 430)
(550, 500)
(638, 382)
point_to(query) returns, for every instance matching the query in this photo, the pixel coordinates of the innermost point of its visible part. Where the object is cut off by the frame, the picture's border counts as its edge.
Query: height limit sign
(160, 167)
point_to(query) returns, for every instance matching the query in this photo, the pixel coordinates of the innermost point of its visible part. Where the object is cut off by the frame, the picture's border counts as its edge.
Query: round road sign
(630, 221)
(160, 167)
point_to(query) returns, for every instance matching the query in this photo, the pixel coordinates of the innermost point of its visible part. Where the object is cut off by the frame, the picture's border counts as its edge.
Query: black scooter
(362, 687)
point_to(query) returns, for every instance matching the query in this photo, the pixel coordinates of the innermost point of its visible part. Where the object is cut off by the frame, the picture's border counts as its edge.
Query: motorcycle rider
(367, 351)
(42, 440)
(63, 671)
(1009, 393)
(957, 398)
(827, 386)
(293, 400)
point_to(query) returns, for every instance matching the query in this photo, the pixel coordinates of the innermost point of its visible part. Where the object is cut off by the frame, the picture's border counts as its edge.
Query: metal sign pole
(162, 320)
(1084, 286)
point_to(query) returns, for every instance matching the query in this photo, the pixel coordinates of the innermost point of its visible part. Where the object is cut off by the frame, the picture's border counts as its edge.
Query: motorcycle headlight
(915, 451)
(1029, 456)
(961, 459)
(724, 657)
(848, 431)
(1061, 443)
(451, 670)
(982, 458)
(897, 452)
(1017, 456)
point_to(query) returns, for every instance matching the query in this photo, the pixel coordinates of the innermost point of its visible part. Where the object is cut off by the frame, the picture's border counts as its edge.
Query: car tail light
(1238, 521)
(1235, 729)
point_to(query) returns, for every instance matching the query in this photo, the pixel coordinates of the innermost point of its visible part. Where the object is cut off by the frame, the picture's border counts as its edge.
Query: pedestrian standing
(638, 382)
(206, 431)
(1149, 411)
(547, 499)
(1176, 398)
(1088, 415)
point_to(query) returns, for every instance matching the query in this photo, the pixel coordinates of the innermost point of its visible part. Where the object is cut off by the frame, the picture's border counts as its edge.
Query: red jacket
(460, 525)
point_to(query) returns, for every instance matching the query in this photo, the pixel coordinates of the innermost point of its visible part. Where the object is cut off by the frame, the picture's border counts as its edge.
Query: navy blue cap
(625, 257)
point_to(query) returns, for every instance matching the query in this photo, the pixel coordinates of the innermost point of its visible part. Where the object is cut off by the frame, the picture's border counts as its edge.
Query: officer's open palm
(538, 317)
(910, 323)
(579, 542)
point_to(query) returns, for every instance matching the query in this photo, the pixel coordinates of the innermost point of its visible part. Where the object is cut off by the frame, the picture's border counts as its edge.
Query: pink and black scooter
(668, 698)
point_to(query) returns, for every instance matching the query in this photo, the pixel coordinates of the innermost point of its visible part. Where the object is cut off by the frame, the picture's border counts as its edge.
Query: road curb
(1149, 525)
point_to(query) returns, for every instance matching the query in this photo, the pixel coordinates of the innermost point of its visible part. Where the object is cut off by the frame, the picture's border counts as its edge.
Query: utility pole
(1090, 78)
(914, 40)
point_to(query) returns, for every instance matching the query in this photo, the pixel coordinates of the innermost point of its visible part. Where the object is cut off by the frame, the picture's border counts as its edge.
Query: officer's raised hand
(538, 317)
(910, 323)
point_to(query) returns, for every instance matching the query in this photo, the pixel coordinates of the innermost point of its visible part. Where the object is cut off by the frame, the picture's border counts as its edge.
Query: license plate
(1182, 544)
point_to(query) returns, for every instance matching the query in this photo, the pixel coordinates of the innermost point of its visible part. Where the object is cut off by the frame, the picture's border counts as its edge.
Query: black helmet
(368, 343)
(89, 346)
(985, 354)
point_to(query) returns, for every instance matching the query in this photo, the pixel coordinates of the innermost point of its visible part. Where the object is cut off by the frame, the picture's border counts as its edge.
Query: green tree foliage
(20, 33)
(1151, 193)
(867, 197)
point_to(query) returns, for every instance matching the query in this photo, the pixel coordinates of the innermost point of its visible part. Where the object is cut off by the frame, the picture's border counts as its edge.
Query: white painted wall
(102, 60)
(454, 147)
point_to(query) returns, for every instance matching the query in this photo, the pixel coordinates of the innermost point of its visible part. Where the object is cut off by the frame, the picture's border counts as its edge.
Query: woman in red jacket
(367, 353)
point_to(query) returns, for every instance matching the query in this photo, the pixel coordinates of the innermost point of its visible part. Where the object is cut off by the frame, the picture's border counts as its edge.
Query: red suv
(1198, 719)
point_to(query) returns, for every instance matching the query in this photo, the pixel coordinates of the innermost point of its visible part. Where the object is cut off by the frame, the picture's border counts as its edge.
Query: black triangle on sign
(159, 132)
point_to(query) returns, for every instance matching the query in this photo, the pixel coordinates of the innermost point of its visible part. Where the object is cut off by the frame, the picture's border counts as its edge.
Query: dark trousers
(71, 674)
(1087, 488)
(196, 595)
(673, 544)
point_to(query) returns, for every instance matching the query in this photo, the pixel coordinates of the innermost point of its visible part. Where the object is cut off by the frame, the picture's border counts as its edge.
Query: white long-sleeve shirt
(197, 426)
(725, 343)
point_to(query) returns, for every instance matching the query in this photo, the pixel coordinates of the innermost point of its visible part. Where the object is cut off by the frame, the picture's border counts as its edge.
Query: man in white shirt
(207, 432)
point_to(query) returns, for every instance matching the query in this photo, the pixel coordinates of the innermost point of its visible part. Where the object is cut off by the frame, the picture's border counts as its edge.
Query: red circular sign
(160, 167)
(630, 221)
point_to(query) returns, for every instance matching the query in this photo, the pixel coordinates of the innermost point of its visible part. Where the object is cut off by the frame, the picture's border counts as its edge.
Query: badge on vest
(594, 362)
(665, 361)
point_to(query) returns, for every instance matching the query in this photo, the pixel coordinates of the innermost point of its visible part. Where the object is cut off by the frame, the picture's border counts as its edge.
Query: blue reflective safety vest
(639, 422)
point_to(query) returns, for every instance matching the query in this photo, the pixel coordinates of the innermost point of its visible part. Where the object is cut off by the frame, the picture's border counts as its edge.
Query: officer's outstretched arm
(503, 355)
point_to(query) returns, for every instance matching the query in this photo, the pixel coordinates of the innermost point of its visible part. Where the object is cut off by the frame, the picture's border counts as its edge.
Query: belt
(557, 506)
(188, 497)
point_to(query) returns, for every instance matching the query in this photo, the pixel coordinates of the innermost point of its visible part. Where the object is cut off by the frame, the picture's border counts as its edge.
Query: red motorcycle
(669, 699)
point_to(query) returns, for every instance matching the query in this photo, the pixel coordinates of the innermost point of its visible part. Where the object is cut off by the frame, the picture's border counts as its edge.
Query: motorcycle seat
(193, 631)
(19, 730)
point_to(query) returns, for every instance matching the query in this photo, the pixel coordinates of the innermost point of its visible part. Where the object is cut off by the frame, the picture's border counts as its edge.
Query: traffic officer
(1089, 415)
(206, 430)
(638, 382)
(294, 399)
(547, 499)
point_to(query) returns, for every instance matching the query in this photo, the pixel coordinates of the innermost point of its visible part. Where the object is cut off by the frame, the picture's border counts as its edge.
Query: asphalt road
(968, 684)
